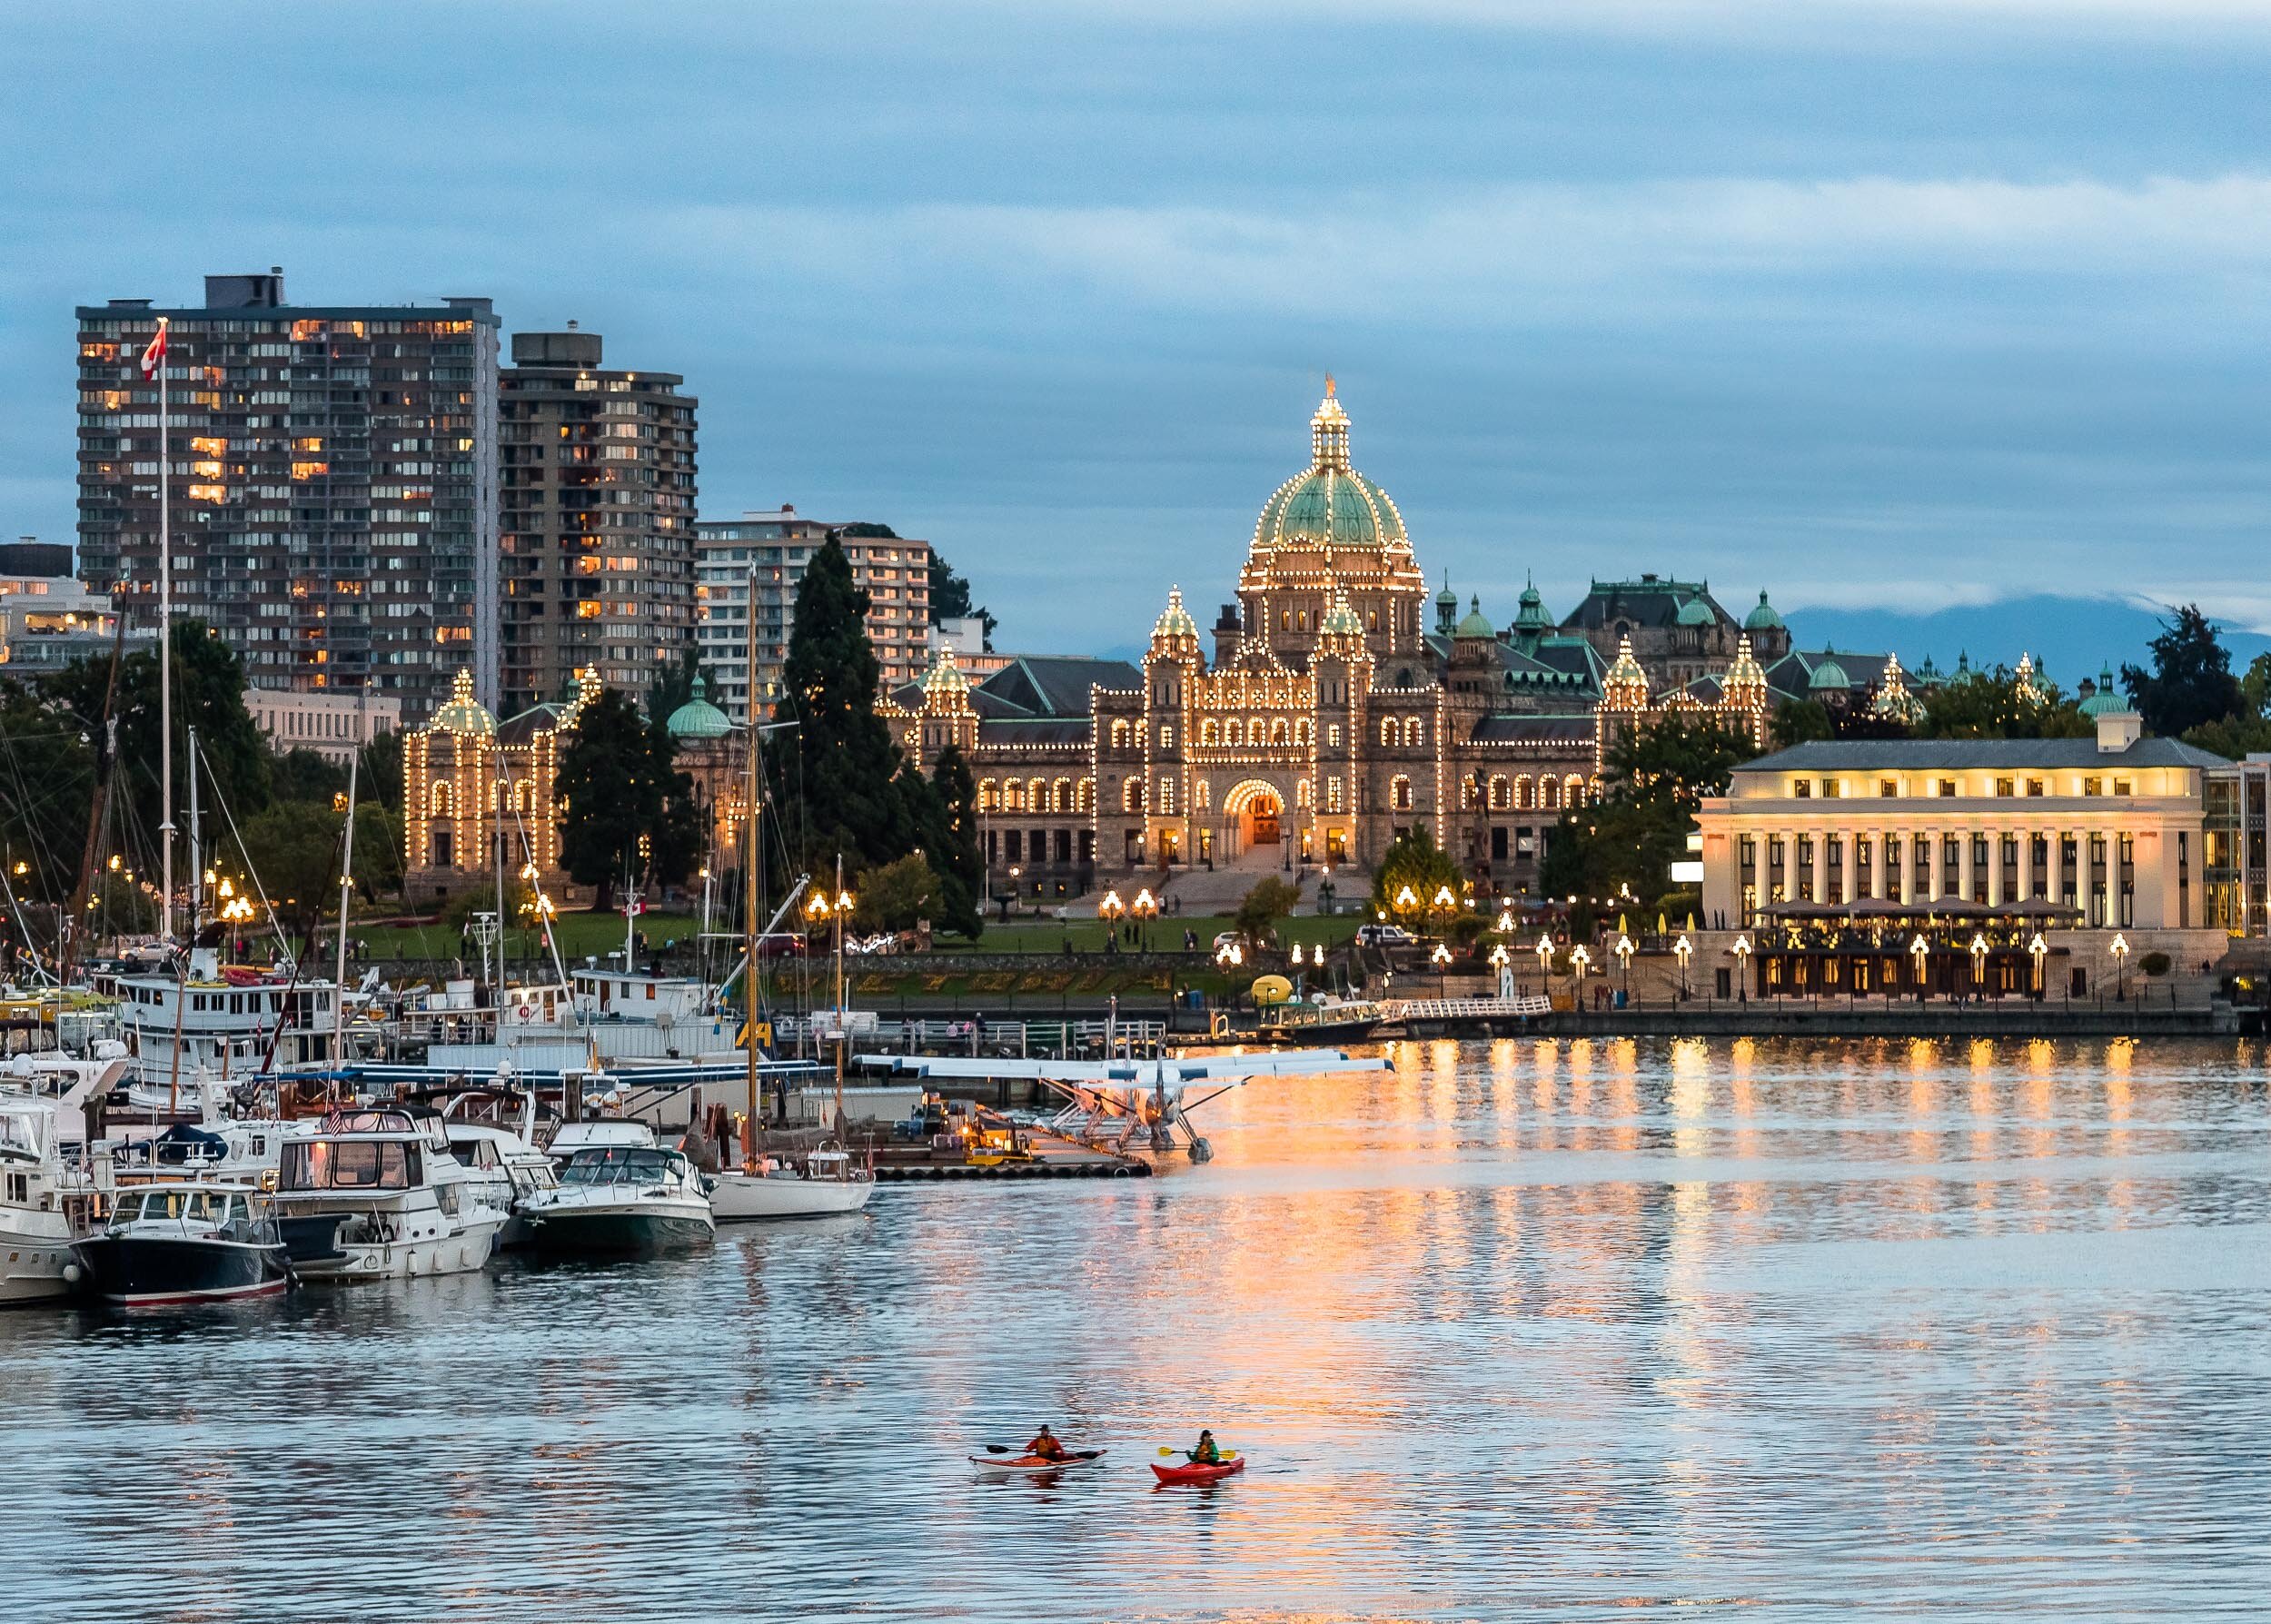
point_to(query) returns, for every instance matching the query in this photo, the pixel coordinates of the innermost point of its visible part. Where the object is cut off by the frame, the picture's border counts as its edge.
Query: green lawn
(577, 934)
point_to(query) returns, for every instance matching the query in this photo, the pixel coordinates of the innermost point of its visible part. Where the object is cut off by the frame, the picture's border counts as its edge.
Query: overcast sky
(1898, 305)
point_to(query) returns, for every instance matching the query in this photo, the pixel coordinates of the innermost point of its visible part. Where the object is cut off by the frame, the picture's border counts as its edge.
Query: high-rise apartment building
(894, 569)
(333, 483)
(599, 491)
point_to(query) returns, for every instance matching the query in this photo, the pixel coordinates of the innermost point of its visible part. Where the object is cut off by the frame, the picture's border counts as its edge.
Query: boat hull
(619, 1231)
(35, 1267)
(147, 1272)
(1197, 1473)
(343, 1247)
(1016, 1466)
(737, 1197)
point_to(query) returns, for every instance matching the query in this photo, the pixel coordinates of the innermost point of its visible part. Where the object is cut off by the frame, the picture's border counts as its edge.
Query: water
(1526, 1330)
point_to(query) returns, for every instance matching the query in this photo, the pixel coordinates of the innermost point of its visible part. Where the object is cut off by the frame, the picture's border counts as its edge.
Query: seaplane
(1128, 1105)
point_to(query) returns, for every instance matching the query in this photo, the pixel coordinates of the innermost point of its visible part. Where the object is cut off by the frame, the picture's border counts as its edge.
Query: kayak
(1193, 1472)
(1032, 1465)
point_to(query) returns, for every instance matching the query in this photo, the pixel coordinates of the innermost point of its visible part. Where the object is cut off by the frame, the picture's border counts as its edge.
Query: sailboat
(827, 1181)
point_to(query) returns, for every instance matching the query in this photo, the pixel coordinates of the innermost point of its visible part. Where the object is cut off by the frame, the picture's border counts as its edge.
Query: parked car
(1384, 936)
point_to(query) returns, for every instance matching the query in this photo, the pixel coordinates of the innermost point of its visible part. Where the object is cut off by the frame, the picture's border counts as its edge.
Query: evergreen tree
(673, 683)
(626, 813)
(1799, 721)
(1630, 837)
(2191, 681)
(47, 769)
(839, 769)
(951, 842)
(1414, 860)
(1991, 704)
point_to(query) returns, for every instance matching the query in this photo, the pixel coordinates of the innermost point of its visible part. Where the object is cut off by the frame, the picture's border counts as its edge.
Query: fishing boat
(186, 1241)
(825, 1182)
(619, 1193)
(375, 1195)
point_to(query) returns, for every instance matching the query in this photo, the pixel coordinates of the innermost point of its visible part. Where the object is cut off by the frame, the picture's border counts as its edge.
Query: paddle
(1170, 1450)
(1003, 1449)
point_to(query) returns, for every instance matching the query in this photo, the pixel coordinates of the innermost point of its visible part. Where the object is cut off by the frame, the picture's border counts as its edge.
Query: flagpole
(166, 641)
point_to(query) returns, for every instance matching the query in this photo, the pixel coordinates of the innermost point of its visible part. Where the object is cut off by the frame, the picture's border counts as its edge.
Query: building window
(2034, 787)
(1119, 734)
(1501, 794)
(1803, 789)
(1947, 788)
(1166, 738)
(1387, 732)
(1830, 789)
(1166, 797)
(2093, 787)
(2122, 787)
(1399, 794)
(1333, 795)
(1132, 796)
(1333, 735)
(2005, 785)
(1887, 788)
(1210, 732)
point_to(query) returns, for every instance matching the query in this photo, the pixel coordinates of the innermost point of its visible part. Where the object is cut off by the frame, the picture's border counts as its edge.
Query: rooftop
(1931, 755)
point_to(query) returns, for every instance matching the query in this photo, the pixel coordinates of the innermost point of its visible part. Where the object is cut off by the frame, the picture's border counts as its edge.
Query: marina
(1655, 1323)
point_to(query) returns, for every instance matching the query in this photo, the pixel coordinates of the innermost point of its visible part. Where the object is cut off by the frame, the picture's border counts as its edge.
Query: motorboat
(620, 1192)
(512, 1175)
(36, 1262)
(374, 1194)
(825, 1182)
(186, 1241)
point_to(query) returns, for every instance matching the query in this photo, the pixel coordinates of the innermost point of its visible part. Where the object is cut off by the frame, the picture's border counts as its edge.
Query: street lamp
(1578, 959)
(1742, 968)
(1979, 960)
(1918, 952)
(1441, 957)
(1545, 959)
(2120, 951)
(2039, 950)
(1680, 950)
(235, 910)
(1624, 958)
(1109, 910)
(1144, 907)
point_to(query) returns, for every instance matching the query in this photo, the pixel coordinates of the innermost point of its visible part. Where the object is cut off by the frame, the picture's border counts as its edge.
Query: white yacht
(620, 1193)
(375, 1195)
(825, 1182)
(512, 1175)
(36, 1262)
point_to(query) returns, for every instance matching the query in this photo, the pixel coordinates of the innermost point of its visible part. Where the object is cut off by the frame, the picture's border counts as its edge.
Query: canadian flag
(634, 907)
(153, 357)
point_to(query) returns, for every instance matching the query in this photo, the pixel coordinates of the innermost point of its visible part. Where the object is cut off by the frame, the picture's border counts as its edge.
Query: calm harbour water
(1532, 1329)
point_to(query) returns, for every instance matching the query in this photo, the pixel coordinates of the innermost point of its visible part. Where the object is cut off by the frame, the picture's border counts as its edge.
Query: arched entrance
(1255, 813)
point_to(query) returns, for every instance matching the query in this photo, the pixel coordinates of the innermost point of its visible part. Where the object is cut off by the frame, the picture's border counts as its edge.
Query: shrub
(2154, 963)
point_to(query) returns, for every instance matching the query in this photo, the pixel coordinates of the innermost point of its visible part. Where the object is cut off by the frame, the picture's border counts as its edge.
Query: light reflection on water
(1520, 1328)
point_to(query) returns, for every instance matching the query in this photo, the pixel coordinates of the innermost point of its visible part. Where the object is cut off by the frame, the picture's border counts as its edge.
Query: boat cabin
(626, 996)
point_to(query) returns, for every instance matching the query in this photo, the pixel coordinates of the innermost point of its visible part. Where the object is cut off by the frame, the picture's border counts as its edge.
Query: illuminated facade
(1330, 715)
(333, 487)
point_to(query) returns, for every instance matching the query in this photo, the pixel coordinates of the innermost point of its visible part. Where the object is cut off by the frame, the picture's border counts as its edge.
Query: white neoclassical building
(1835, 859)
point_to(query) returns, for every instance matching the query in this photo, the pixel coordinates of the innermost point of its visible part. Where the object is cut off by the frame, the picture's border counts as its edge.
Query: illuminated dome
(1330, 504)
(1174, 620)
(464, 714)
(698, 717)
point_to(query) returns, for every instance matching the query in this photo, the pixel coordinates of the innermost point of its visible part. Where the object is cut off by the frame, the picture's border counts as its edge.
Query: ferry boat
(186, 1241)
(375, 1195)
(620, 1193)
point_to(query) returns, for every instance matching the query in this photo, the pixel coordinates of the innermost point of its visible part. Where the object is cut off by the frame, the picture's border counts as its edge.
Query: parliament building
(1330, 708)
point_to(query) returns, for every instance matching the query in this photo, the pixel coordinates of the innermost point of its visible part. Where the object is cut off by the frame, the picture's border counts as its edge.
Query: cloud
(1479, 251)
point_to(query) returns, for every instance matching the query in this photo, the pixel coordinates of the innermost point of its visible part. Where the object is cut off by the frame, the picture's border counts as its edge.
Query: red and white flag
(153, 357)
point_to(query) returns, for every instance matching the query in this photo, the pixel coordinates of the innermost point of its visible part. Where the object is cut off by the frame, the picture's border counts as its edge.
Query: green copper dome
(1331, 504)
(1696, 612)
(2108, 701)
(1532, 620)
(1827, 673)
(464, 714)
(1476, 624)
(1763, 618)
(698, 717)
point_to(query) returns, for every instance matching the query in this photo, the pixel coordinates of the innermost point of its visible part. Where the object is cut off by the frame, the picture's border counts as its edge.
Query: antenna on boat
(346, 891)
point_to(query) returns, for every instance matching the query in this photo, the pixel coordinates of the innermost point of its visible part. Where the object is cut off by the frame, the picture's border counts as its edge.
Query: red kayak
(1213, 1472)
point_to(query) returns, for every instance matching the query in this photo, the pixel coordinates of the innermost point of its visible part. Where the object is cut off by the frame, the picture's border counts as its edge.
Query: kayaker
(1207, 1453)
(1046, 1446)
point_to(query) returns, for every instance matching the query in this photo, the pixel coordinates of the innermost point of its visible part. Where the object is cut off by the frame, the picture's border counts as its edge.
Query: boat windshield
(616, 1164)
(196, 1206)
(348, 1165)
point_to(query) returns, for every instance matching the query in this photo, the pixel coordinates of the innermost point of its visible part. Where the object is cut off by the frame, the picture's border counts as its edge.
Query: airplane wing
(1195, 1068)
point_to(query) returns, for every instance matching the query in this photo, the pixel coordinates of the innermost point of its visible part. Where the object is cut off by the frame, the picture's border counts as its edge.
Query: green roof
(1696, 612)
(1475, 623)
(1763, 618)
(698, 717)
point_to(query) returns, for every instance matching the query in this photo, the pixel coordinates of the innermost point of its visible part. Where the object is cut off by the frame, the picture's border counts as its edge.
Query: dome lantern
(1763, 618)
(698, 717)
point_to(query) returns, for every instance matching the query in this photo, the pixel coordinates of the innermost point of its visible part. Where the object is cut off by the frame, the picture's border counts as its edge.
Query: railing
(1465, 1009)
(1050, 1040)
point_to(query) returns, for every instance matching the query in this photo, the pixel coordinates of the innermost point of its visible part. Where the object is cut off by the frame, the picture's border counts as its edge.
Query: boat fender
(71, 1273)
(524, 1013)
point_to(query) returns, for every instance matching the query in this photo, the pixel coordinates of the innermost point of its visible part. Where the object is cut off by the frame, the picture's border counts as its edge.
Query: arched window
(1548, 794)
(1210, 732)
(1061, 795)
(1414, 731)
(1387, 732)
(1522, 793)
(1166, 737)
(1280, 733)
(1088, 796)
(1201, 798)
(1036, 794)
(1302, 799)
(1132, 796)
(988, 796)
(1333, 795)
(1499, 800)
(439, 799)
(1166, 797)
(1119, 734)
(1400, 793)
(1232, 733)
(1573, 791)
(1304, 731)
(1466, 793)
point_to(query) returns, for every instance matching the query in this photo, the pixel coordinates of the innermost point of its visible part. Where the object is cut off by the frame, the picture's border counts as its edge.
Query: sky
(1887, 308)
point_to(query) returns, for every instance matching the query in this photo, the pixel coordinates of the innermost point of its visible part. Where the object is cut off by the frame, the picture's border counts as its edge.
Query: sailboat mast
(165, 644)
(346, 893)
(197, 869)
(749, 874)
